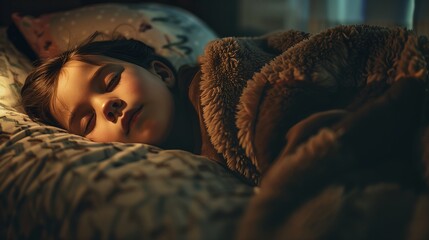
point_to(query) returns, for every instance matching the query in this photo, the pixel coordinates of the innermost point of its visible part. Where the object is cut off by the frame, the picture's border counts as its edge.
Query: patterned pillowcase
(14, 68)
(60, 185)
(174, 33)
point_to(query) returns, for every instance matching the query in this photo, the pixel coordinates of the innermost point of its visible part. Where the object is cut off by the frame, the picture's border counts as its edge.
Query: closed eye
(89, 125)
(113, 81)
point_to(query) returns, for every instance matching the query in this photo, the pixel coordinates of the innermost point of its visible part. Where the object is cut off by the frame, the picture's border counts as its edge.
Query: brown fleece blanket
(357, 172)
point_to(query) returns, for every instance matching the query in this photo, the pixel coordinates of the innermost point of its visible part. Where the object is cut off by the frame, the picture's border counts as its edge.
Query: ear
(164, 72)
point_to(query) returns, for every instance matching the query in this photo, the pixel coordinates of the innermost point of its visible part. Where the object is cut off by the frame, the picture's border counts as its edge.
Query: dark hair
(40, 85)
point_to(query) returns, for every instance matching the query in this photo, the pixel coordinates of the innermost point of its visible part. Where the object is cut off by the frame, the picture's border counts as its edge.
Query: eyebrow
(94, 76)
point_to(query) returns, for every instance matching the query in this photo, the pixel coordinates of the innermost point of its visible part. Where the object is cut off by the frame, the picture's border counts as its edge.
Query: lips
(129, 118)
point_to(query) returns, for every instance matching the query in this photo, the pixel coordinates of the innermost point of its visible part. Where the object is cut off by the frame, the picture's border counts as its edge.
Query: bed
(362, 174)
(54, 185)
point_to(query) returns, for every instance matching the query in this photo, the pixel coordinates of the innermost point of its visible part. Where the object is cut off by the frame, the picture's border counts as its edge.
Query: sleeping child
(249, 101)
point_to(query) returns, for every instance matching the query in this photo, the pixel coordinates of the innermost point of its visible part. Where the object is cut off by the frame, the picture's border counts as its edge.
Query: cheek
(133, 87)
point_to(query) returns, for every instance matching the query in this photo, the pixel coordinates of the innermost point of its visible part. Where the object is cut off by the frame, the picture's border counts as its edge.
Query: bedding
(14, 67)
(332, 126)
(55, 185)
(363, 175)
(253, 90)
(173, 32)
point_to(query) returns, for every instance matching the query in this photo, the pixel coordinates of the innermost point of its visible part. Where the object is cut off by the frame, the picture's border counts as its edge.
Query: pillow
(173, 32)
(55, 185)
(14, 68)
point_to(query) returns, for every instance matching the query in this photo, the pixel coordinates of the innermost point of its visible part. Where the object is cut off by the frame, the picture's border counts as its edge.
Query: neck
(185, 132)
(182, 133)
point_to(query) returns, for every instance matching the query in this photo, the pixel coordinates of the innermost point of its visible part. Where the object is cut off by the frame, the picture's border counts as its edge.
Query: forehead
(75, 72)
(78, 69)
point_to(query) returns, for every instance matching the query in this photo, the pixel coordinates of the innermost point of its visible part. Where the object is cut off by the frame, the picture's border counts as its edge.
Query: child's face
(115, 102)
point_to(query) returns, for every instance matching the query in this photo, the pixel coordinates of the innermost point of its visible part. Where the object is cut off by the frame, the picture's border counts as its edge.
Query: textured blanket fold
(253, 90)
(331, 123)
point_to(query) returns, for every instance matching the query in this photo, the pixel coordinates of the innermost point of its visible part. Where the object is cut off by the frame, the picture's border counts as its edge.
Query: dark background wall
(253, 17)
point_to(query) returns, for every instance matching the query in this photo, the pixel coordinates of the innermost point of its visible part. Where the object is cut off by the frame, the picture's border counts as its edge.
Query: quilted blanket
(332, 126)
(55, 185)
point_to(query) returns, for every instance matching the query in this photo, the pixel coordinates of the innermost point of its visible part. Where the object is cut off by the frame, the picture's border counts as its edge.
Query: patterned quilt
(57, 185)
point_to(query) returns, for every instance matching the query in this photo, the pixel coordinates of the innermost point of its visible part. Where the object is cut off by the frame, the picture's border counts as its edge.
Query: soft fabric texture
(173, 32)
(334, 124)
(55, 185)
(254, 89)
(366, 177)
(14, 68)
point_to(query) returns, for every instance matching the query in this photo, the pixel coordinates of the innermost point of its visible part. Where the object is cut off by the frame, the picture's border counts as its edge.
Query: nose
(112, 109)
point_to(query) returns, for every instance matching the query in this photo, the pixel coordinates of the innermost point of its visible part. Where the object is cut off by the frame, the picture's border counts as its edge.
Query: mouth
(129, 118)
